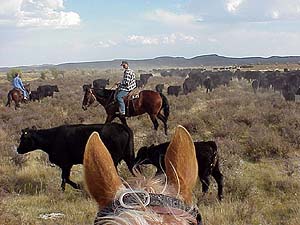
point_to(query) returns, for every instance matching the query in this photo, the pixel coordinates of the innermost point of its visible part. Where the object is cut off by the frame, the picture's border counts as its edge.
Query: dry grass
(258, 138)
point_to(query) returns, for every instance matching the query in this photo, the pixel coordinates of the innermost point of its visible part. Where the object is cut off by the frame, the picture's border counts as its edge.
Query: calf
(65, 144)
(174, 90)
(207, 157)
(47, 90)
(34, 95)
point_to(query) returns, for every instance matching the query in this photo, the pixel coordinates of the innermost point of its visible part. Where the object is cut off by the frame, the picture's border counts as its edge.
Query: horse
(140, 200)
(16, 95)
(148, 101)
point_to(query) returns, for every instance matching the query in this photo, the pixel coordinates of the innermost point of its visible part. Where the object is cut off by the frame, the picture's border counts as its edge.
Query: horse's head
(27, 87)
(88, 99)
(139, 200)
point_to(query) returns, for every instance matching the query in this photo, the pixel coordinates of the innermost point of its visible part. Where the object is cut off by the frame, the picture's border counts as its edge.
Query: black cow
(207, 157)
(65, 144)
(174, 90)
(255, 85)
(47, 90)
(145, 77)
(208, 84)
(159, 88)
(100, 83)
(34, 95)
(139, 83)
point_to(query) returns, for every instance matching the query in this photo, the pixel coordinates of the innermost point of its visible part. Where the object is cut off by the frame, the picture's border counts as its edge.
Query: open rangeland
(258, 138)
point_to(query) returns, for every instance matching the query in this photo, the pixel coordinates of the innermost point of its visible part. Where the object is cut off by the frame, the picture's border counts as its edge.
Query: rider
(125, 86)
(18, 84)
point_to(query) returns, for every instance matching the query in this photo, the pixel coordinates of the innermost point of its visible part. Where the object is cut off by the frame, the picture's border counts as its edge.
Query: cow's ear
(181, 163)
(101, 176)
(34, 128)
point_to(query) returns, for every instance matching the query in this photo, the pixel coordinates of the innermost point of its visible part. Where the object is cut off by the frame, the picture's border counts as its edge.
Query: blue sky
(57, 31)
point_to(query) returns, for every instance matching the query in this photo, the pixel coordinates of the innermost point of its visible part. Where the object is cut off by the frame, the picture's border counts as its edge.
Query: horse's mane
(154, 185)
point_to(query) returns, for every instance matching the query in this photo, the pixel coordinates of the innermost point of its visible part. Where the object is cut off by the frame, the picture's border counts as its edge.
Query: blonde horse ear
(101, 176)
(181, 163)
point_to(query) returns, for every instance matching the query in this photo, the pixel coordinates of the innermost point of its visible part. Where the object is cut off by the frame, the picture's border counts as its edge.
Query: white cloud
(171, 18)
(139, 39)
(161, 39)
(233, 5)
(37, 13)
(106, 44)
(245, 10)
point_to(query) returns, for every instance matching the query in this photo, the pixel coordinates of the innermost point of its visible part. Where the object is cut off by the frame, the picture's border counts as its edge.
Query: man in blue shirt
(125, 86)
(17, 83)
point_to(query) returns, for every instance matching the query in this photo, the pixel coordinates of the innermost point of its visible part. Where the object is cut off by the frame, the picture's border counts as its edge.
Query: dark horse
(150, 102)
(16, 95)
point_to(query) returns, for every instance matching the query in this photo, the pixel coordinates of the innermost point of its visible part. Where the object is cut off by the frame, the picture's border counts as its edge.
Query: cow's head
(55, 88)
(142, 156)
(27, 140)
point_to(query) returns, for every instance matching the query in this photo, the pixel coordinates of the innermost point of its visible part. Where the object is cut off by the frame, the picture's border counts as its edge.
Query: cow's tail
(9, 99)
(165, 105)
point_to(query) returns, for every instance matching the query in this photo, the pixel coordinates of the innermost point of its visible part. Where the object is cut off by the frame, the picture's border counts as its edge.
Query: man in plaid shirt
(125, 86)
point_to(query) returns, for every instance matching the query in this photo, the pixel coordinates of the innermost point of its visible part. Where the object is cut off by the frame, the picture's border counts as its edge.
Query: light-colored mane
(106, 186)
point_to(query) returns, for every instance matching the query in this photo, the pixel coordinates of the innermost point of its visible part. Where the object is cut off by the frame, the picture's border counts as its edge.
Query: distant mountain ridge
(166, 62)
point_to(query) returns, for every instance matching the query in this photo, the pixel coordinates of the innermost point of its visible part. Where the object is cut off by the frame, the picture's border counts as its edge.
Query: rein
(94, 97)
(161, 204)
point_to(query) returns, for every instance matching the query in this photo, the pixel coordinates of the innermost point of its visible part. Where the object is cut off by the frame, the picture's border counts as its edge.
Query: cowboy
(125, 86)
(18, 84)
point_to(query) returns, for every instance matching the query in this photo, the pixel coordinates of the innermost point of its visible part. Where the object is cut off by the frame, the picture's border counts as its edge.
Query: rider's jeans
(120, 100)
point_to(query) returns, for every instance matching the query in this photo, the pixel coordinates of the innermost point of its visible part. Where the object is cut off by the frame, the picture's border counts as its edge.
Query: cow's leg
(218, 176)
(65, 176)
(164, 120)
(129, 159)
(154, 121)
(205, 183)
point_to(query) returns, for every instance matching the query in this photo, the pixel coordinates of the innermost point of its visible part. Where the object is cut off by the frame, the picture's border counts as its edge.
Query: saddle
(129, 101)
(17, 90)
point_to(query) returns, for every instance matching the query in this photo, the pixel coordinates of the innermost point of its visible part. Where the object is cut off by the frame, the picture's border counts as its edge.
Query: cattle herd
(65, 144)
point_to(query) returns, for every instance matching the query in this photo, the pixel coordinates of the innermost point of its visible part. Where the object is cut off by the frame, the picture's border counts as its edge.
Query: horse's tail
(9, 98)
(165, 105)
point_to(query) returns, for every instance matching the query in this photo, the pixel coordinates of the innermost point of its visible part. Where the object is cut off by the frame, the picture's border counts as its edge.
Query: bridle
(92, 99)
(159, 203)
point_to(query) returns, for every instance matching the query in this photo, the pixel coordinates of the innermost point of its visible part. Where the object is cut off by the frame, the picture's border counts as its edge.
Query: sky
(35, 32)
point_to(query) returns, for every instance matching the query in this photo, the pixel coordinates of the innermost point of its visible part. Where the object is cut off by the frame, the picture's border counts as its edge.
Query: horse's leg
(110, 118)
(154, 121)
(164, 120)
(123, 120)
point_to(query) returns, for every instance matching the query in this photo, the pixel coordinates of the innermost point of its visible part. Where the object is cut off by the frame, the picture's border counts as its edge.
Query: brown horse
(150, 102)
(140, 200)
(16, 95)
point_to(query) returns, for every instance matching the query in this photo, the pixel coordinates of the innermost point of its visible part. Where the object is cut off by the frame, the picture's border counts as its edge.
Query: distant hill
(167, 62)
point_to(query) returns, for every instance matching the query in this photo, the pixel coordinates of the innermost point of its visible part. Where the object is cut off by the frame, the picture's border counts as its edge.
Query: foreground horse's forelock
(140, 200)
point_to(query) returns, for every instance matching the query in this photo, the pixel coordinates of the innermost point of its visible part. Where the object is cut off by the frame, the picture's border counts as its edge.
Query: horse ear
(181, 163)
(101, 176)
